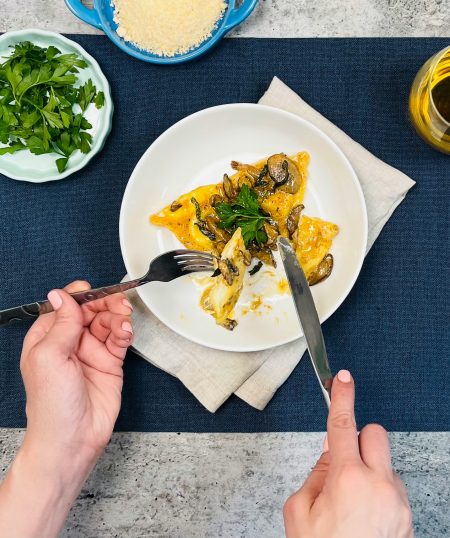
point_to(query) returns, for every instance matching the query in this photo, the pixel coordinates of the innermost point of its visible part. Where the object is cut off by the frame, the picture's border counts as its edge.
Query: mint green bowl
(23, 165)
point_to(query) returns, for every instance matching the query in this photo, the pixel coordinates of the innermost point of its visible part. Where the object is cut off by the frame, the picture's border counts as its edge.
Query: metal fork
(164, 268)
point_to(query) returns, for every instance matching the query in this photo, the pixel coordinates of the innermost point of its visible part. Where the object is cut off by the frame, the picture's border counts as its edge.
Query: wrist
(66, 468)
(37, 494)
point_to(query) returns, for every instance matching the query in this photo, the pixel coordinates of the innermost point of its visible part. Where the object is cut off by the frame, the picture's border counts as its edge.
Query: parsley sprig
(41, 110)
(245, 213)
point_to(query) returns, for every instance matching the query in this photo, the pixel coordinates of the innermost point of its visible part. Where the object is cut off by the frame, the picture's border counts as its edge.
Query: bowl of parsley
(55, 106)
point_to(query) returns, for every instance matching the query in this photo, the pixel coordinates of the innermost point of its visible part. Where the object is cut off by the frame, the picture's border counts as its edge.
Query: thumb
(65, 332)
(342, 433)
(314, 483)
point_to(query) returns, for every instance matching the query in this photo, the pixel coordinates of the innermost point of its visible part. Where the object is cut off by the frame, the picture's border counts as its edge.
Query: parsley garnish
(244, 213)
(39, 101)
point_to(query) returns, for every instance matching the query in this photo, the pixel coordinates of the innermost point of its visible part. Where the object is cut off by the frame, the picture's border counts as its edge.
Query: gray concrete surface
(275, 18)
(171, 485)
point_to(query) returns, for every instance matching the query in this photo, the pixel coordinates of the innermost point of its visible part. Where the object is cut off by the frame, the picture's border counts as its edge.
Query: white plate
(197, 151)
(25, 166)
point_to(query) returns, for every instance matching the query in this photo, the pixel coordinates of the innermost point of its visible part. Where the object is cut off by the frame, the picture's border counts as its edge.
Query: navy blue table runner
(393, 330)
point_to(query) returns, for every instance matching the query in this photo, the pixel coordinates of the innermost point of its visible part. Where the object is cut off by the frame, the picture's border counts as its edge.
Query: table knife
(307, 315)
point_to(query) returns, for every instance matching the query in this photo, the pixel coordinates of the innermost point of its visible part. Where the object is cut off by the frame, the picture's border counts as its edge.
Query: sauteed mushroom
(255, 268)
(272, 232)
(229, 324)
(228, 269)
(218, 248)
(201, 224)
(249, 169)
(219, 233)
(245, 180)
(247, 257)
(284, 173)
(215, 199)
(228, 187)
(293, 219)
(323, 270)
(264, 254)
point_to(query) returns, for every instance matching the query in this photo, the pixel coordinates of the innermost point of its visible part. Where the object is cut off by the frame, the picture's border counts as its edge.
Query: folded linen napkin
(212, 376)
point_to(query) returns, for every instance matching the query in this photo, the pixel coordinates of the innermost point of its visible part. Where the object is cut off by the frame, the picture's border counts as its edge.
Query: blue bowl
(102, 17)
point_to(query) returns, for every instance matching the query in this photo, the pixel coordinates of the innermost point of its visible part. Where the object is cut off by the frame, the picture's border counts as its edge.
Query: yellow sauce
(283, 286)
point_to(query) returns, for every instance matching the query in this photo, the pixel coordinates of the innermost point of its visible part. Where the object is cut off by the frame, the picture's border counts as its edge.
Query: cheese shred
(167, 27)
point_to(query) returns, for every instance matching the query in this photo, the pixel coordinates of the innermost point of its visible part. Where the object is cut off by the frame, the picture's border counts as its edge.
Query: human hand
(352, 491)
(72, 370)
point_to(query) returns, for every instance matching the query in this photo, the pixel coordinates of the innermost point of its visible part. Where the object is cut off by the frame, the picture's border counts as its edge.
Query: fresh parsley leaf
(248, 199)
(62, 164)
(12, 148)
(226, 215)
(53, 119)
(51, 52)
(99, 100)
(36, 145)
(86, 94)
(245, 213)
(86, 139)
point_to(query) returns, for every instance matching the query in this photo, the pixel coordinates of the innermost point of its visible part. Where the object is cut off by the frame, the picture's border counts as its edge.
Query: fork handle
(33, 310)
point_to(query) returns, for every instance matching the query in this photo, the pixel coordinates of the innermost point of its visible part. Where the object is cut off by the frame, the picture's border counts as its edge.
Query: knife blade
(308, 317)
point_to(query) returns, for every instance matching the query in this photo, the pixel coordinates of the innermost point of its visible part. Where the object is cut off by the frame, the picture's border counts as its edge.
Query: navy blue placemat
(392, 331)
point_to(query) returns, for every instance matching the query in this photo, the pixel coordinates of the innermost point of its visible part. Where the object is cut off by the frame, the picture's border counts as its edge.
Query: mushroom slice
(215, 199)
(229, 324)
(247, 257)
(228, 187)
(218, 248)
(228, 269)
(255, 268)
(284, 173)
(323, 270)
(220, 234)
(293, 219)
(265, 255)
(272, 232)
(248, 169)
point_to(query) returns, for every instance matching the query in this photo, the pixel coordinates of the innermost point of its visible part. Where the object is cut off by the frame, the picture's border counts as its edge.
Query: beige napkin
(212, 376)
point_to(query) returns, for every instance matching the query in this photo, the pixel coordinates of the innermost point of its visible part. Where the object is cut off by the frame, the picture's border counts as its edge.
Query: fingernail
(344, 376)
(55, 299)
(126, 326)
(325, 444)
(127, 303)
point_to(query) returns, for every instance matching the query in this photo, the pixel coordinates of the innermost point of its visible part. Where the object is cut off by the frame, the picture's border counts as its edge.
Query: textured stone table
(275, 18)
(233, 485)
(173, 485)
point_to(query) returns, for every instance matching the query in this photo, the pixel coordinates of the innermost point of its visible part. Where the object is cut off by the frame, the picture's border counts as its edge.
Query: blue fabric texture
(392, 332)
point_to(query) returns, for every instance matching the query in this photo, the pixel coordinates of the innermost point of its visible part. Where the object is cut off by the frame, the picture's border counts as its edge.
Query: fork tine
(194, 255)
(175, 263)
(195, 260)
(196, 268)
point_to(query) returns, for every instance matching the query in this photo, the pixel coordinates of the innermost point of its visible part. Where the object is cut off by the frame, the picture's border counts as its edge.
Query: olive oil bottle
(429, 101)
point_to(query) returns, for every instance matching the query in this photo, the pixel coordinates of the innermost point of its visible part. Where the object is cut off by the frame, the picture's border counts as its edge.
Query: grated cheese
(167, 27)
